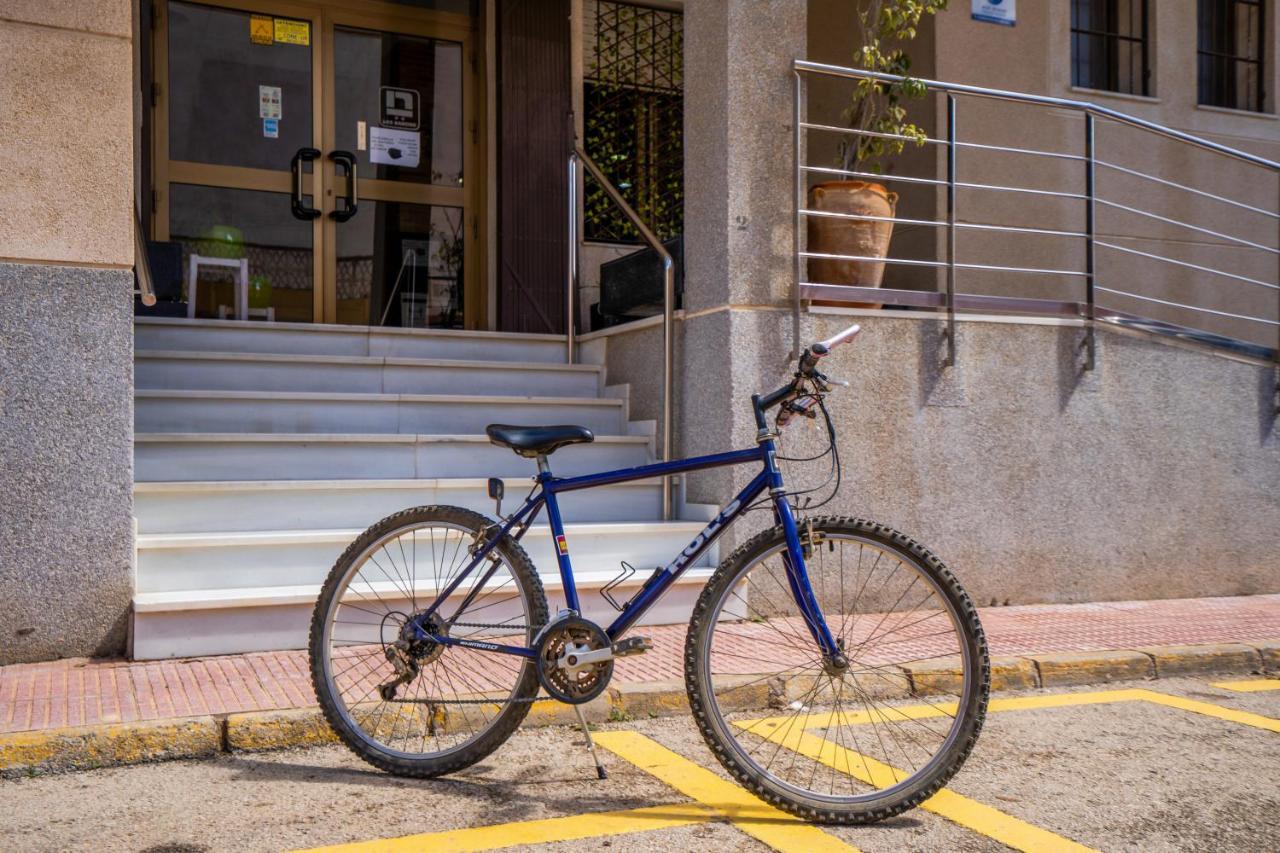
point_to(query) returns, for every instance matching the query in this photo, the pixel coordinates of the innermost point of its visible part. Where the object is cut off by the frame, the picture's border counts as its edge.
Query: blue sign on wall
(996, 11)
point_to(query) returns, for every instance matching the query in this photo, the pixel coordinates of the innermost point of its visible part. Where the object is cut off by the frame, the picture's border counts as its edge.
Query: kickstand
(601, 773)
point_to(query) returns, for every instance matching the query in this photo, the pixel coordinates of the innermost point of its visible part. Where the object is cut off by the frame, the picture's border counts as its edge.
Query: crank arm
(620, 649)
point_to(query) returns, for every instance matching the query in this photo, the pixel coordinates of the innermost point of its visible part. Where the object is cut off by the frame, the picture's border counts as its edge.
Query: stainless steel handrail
(1043, 100)
(141, 265)
(949, 299)
(578, 156)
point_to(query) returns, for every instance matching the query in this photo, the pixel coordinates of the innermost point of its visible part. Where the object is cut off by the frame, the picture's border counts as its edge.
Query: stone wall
(66, 339)
(1156, 476)
(66, 445)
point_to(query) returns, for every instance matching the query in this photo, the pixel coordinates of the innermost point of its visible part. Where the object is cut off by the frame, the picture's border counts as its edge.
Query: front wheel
(838, 744)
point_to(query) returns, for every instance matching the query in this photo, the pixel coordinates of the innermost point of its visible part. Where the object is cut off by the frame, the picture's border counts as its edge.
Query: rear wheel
(842, 745)
(414, 707)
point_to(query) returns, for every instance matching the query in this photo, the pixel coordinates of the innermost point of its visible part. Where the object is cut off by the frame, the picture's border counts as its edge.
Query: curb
(58, 750)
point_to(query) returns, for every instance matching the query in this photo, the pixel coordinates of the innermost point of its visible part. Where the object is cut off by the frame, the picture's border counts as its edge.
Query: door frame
(323, 184)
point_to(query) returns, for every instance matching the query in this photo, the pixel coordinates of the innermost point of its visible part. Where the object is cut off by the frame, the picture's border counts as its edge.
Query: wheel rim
(458, 695)
(873, 751)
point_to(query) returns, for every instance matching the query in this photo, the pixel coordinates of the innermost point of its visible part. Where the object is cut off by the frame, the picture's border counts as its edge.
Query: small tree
(884, 27)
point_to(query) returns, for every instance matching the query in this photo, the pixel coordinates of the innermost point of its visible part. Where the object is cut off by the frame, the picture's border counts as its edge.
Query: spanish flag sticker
(562, 545)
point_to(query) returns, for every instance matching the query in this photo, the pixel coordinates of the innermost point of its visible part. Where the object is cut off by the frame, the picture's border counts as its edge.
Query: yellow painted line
(550, 830)
(1210, 710)
(942, 709)
(748, 813)
(971, 814)
(1022, 703)
(1256, 686)
(792, 732)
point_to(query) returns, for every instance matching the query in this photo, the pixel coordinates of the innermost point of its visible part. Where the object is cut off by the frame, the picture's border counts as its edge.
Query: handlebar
(805, 373)
(834, 341)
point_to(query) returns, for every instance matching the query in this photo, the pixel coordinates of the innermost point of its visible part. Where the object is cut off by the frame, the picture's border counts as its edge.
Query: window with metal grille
(633, 116)
(1110, 45)
(1230, 58)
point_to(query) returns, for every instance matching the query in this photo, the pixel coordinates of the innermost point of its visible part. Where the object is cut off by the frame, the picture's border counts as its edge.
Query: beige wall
(66, 118)
(1035, 56)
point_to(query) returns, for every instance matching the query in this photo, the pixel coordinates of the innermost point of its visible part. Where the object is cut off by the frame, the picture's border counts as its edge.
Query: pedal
(631, 646)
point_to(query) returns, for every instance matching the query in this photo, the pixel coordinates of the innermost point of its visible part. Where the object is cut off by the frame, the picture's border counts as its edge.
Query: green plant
(885, 27)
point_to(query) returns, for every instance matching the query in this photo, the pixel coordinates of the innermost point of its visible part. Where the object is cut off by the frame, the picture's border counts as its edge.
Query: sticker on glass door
(400, 108)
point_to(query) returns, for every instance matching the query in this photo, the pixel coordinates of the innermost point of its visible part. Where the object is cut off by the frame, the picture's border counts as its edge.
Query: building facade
(319, 190)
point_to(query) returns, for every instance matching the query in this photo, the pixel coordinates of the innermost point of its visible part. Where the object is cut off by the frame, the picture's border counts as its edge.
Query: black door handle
(346, 161)
(302, 155)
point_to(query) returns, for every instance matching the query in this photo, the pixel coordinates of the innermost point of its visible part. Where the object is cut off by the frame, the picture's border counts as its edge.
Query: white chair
(242, 282)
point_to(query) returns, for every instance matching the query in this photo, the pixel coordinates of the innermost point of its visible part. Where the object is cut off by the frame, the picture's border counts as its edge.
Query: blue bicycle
(835, 667)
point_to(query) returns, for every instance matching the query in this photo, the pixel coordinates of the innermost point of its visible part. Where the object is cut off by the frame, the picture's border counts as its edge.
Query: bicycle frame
(549, 487)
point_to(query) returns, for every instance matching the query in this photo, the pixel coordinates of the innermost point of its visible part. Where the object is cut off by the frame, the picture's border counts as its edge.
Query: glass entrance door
(314, 161)
(400, 113)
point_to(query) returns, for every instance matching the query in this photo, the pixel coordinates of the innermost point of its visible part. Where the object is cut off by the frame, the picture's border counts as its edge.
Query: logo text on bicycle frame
(708, 532)
(562, 545)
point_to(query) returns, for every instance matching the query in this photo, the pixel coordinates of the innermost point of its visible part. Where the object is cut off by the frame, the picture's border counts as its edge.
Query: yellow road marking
(792, 732)
(748, 813)
(993, 823)
(1256, 686)
(546, 831)
(1021, 703)
(776, 828)
(1210, 710)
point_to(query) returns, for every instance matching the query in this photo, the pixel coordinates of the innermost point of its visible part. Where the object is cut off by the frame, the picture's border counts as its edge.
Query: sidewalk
(79, 692)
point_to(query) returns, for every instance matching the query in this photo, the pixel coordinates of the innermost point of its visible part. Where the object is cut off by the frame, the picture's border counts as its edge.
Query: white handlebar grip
(835, 340)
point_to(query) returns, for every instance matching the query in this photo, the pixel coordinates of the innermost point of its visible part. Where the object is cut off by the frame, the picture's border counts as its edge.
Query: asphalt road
(1109, 775)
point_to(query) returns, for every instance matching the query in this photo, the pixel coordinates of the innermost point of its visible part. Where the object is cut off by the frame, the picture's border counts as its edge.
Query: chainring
(557, 672)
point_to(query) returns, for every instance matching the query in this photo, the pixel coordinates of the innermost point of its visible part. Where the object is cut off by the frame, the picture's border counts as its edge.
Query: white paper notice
(269, 105)
(391, 147)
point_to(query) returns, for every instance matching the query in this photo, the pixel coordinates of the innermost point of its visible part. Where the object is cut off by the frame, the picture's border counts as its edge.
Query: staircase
(262, 450)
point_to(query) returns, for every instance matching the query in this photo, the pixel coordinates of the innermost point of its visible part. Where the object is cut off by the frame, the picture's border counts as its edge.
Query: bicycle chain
(466, 701)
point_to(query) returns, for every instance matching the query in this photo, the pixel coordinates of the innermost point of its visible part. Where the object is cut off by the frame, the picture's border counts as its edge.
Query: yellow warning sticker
(292, 32)
(261, 30)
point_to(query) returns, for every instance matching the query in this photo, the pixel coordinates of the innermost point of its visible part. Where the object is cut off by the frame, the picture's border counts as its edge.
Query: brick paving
(79, 692)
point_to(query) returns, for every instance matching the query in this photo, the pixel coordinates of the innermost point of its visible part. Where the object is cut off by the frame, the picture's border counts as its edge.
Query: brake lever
(823, 382)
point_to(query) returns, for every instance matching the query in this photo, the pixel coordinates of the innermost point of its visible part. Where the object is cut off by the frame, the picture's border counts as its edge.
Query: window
(1230, 55)
(633, 116)
(1110, 45)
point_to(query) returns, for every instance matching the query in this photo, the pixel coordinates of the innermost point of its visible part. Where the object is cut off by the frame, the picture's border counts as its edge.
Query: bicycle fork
(793, 561)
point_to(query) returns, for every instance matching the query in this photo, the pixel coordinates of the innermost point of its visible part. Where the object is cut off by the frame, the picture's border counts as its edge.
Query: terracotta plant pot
(836, 236)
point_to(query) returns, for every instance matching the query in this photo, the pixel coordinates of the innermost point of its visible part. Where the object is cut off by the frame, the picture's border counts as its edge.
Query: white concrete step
(184, 507)
(216, 622)
(163, 333)
(249, 456)
(311, 412)
(234, 371)
(174, 562)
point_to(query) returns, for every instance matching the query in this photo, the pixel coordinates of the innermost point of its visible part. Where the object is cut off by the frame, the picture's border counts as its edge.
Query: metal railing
(948, 300)
(142, 265)
(579, 158)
